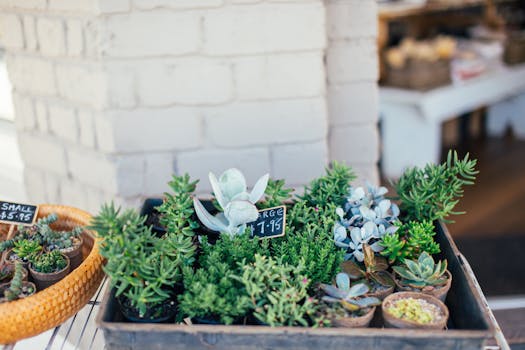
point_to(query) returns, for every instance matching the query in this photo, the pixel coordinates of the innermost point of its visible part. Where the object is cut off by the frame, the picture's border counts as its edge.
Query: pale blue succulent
(366, 218)
(238, 205)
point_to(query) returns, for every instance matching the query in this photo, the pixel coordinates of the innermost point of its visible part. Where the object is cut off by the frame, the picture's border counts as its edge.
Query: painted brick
(35, 185)
(147, 130)
(353, 103)
(121, 84)
(73, 193)
(92, 90)
(253, 162)
(365, 172)
(299, 163)
(51, 36)
(30, 33)
(355, 144)
(41, 116)
(74, 37)
(90, 6)
(11, 31)
(280, 76)
(42, 152)
(152, 33)
(264, 28)
(351, 19)
(189, 81)
(22, 73)
(53, 183)
(256, 123)
(352, 61)
(86, 128)
(159, 170)
(63, 122)
(176, 4)
(25, 118)
(23, 4)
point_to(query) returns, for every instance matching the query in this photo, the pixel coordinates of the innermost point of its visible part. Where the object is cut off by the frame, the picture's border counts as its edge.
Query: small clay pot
(12, 257)
(355, 322)
(440, 292)
(393, 322)
(10, 268)
(74, 254)
(44, 280)
(25, 285)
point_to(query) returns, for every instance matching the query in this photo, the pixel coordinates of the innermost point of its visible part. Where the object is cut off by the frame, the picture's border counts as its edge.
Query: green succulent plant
(423, 272)
(351, 298)
(25, 249)
(410, 241)
(48, 262)
(431, 193)
(373, 271)
(15, 287)
(276, 194)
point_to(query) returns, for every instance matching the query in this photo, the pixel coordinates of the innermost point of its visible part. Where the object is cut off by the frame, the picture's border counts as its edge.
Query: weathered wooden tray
(469, 327)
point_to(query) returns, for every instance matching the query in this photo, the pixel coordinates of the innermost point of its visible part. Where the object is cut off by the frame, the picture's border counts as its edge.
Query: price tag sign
(270, 224)
(16, 213)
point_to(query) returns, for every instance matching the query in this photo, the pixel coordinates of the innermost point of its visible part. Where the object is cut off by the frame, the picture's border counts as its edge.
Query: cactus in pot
(424, 275)
(237, 204)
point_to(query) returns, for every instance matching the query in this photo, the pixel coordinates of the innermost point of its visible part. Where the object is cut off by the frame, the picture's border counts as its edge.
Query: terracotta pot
(440, 293)
(355, 322)
(74, 254)
(5, 286)
(44, 280)
(10, 268)
(12, 257)
(393, 322)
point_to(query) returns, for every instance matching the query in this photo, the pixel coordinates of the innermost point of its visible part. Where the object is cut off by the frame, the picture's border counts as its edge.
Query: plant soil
(163, 313)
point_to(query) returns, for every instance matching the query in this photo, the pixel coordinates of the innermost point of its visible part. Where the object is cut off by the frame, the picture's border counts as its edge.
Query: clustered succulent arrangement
(344, 249)
(42, 250)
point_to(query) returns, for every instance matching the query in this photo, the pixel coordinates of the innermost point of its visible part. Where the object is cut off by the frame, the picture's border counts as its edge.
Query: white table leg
(498, 117)
(517, 118)
(408, 139)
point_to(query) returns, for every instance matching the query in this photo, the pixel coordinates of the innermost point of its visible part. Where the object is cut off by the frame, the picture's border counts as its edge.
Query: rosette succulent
(352, 298)
(237, 204)
(365, 218)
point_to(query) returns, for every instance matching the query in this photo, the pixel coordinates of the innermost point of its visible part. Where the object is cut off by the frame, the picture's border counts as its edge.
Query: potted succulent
(17, 288)
(7, 272)
(424, 276)
(414, 310)
(373, 272)
(351, 308)
(48, 268)
(143, 268)
(23, 250)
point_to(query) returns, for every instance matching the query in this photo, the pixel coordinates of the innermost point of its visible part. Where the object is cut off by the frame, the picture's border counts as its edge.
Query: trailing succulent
(373, 272)
(422, 273)
(410, 241)
(237, 205)
(364, 218)
(432, 193)
(141, 266)
(16, 286)
(278, 293)
(352, 298)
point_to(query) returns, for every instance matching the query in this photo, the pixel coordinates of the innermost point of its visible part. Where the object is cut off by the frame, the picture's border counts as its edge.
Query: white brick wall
(114, 96)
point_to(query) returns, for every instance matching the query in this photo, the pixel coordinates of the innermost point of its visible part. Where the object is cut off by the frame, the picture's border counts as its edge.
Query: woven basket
(47, 309)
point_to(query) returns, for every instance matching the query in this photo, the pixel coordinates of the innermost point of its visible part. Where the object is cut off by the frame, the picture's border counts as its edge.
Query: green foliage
(432, 193)
(141, 266)
(48, 262)
(410, 241)
(278, 292)
(25, 249)
(15, 287)
(276, 194)
(308, 239)
(423, 272)
(177, 209)
(210, 292)
(331, 188)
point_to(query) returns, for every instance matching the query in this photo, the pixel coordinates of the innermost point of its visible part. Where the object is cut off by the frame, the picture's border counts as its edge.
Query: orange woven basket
(48, 308)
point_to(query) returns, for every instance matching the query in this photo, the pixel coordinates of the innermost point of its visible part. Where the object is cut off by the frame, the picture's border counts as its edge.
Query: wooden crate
(469, 327)
(419, 75)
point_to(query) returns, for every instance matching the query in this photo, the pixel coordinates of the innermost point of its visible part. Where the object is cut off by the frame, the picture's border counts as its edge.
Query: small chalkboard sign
(270, 224)
(16, 213)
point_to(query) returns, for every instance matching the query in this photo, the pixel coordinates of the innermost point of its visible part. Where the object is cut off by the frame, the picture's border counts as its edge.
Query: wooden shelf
(400, 9)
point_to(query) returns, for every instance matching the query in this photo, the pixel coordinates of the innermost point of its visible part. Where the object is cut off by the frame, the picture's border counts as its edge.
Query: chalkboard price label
(16, 213)
(270, 224)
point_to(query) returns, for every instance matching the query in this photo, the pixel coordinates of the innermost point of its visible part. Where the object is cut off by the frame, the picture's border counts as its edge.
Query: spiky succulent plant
(352, 298)
(365, 218)
(423, 272)
(237, 203)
